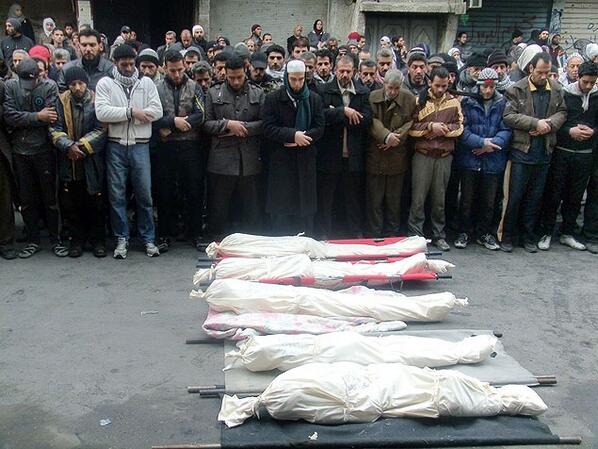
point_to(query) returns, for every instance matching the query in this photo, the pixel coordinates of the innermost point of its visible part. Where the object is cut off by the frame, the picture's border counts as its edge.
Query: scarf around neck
(276, 74)
(574, 89)
(125, 81)
(301, 98)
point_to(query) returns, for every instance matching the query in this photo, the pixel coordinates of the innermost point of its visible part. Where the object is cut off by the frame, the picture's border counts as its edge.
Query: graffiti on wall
(500, 32)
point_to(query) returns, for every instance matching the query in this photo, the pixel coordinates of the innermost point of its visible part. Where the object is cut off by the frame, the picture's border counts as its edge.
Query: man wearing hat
(129, 104)
(191, 56)
(497, 61)
(14, 39)
(147, 64)
(28, 110)
(91, 60)
(480, 157)
(469, 76)
(80, 140)
(234, 120)
(293, 124)
(199, 38)
(257, 73)
(341, 154)
(256, 35)
(416, 81)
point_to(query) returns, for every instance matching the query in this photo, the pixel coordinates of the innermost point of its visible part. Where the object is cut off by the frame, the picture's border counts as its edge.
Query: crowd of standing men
(316, 137)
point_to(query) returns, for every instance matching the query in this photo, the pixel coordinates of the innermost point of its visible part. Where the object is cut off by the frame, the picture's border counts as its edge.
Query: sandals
(60, 249)
(29, 250)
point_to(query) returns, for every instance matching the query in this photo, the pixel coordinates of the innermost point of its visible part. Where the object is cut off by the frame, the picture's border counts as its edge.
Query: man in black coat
(293, 123)
(15, 39)
(342, 151)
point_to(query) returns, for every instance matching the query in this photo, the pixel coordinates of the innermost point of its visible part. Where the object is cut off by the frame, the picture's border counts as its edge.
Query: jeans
(478, 197)
(38, 187)
(430, 177)
(526, 187)
(132, 162)
(567, 180)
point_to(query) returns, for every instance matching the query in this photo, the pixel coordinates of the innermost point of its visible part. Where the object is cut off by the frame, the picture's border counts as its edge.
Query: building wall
(578, 20)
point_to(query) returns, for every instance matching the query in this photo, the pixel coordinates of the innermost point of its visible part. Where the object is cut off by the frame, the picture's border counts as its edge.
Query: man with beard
(129, 104)
(191, 56)
(387, 157)
(234, 120)
(28, 110)
(80, 140)
(497, 61)
(570, 74)
(293, 123)
(367, 75)
(415, 81)
(220, 67)
(309, 59)
(324, 65)
(179, 159)
(91, 61)
(437, 125)
(14, 39)
(257, 73)
(384, 59)
(198, 37)
(571, 163)
(147, 63)
(275, 54)
(535, 111)
(469, 74)
(341, 154)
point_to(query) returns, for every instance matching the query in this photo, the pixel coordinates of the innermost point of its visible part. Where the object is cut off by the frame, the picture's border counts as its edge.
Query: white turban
(295, 66)
(527, 55)
(592, 51)
(196, 27)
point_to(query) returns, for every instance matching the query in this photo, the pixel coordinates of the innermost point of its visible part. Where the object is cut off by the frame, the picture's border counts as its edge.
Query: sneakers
(151, 250)
(488, 241)
(571, 242)
(545, 241)
(530, 247)
(163, 244)
(122, 247)
(441, 245)
(506, 247)
(461, 241)
(592, 247)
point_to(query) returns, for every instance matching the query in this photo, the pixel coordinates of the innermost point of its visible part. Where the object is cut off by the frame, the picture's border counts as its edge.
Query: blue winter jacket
(479, 125)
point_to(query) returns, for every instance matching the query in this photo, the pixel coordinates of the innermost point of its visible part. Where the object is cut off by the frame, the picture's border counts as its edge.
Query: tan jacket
(396, 117)
(519, 113)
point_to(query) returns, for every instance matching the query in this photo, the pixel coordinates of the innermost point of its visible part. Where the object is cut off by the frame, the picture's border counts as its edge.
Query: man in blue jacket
(481, 158)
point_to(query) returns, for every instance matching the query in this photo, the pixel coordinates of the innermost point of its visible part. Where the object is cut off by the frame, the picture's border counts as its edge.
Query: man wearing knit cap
(480, 159)
(571, 164)
(91, 60)
(293, 124)
(234, 121)
(28, 110)
(535, 111)
(129, 104)
(497, 61)
(570, 73)
(147, 64)
(179, 158)
(191, 56)
(415, 81)
(341, 153)
(469, 76)
(14, 39)
(80, 140)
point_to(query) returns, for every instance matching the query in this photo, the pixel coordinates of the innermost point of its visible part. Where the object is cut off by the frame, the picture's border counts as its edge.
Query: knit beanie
(476, 60)
(497, 57)
(487, 76)
(75, 73)
(16, 24)
(148, 55)
(353, 36)
(123, 51)
(41, 52)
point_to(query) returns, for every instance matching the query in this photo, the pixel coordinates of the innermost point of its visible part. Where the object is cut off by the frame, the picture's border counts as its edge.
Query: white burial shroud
(284, 352)
(231, 295)
(344, 392)
(246, 245)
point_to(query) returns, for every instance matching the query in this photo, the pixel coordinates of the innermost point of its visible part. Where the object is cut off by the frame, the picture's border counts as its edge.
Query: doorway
(414, 28)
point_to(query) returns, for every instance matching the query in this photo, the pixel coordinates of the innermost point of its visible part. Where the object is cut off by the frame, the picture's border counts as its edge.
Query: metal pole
(189, 446)
(200, 388)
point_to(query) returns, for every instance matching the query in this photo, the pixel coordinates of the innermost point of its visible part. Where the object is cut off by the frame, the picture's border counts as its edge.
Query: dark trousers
(180, 175)
(37, 189)
(222, 189)
(590, 219)
(383, 204)
(526, 187)
(84, 214)
(351, 208)
(451, 202)
(478, 197)
(291, 224)
(7, 214)
(567, 180)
